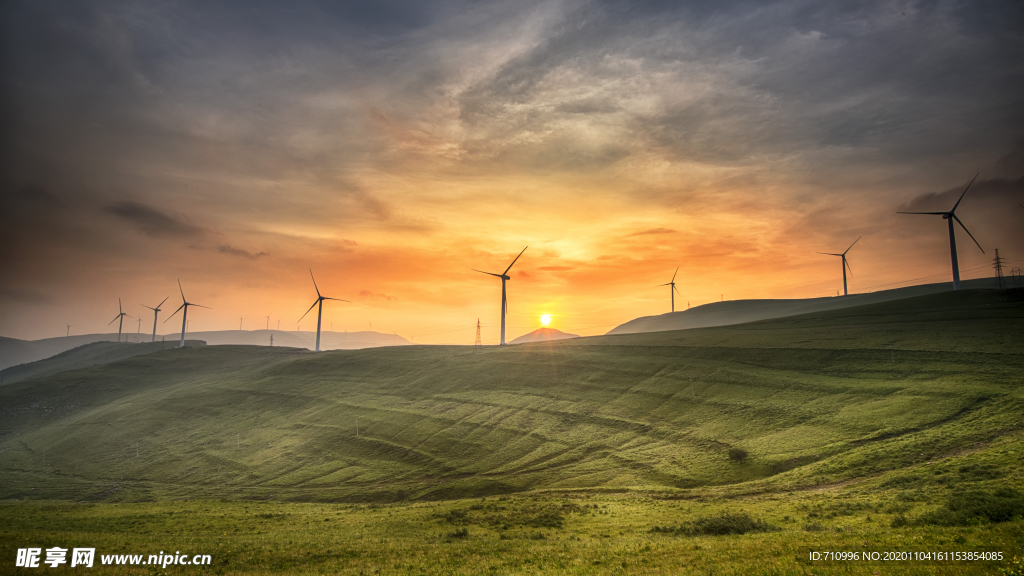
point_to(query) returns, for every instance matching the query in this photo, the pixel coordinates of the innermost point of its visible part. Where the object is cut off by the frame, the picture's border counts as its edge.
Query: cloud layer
(394, 145)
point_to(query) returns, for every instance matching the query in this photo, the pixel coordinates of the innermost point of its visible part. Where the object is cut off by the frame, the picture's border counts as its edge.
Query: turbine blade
(119, 305)
(677, 290)
(851, 245)
(968, 232)
(847, 264)
(175, 312)
(665, 284)
(310, 308)
(674, 275)
(828, 254)
(200, 306)
(315, 287)
(114, 320)
(336, 299)
(962, 196)
(932, 213)
(482, 272)
(180, 290)
(144, 306)
(161, 303)
(513, 262)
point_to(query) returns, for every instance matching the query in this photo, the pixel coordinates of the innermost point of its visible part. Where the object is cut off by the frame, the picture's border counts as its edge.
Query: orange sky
(394, 151)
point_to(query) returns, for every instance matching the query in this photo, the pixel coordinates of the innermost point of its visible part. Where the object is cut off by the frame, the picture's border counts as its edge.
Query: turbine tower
(845, 264)
(156, 311)
(184, 315)
(320, 312)
(949, 217)
(504, 299)
(672, 291)
(119, 317)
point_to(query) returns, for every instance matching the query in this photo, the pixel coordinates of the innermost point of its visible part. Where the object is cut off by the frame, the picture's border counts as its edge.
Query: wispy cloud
(231, 250)
(153, 222)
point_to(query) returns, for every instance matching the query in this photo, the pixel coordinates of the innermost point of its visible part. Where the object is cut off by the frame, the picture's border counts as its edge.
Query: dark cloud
(997, 191)
(153, 222)
(25, 296)
(231, 250)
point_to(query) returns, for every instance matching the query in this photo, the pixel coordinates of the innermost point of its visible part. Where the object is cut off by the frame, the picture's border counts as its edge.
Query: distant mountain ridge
(742, 311)
(14, 351)
(543, 335)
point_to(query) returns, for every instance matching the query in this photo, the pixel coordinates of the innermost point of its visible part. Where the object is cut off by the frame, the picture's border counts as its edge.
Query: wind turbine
(504, 299)
(69, 331)
(156, 311)
(119, 317)
(672, 291)
(949, 217)
(184, 315)
(320, 312)
(845, 263)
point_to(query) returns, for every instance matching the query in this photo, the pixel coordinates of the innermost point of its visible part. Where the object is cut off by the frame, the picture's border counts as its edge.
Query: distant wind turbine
(119, 318)
(69, 331)
(504, 298)
(156, 312)
(240, 323)
(949, 217)
(184, 315)
(672, 291)
(320, 312)
(845, 263)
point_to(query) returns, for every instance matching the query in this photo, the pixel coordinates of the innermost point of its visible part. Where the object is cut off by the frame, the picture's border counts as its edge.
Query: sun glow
(545, 319)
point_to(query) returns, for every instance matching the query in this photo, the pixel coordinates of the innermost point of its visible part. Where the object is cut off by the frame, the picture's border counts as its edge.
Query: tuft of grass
(738, 454)
(460, 534)
(718, 525)
(976, 507)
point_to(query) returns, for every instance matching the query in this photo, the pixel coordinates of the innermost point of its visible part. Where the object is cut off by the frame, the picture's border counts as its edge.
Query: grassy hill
(741, 311)
(14, 352)
(83, 356)
(815, 399)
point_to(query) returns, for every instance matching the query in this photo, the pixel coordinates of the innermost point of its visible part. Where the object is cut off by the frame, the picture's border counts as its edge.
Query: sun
(545, 319)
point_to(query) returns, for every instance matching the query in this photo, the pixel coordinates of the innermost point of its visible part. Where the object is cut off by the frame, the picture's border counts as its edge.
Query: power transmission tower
(1015, 273)
(997, 263)
(477, 342)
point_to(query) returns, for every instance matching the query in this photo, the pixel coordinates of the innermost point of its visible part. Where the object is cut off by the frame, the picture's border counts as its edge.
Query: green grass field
(893, 426)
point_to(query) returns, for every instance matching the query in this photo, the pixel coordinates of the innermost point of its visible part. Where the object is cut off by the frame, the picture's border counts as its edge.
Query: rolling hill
(86, 355)
(14, 351)
(742, 311)
(818, 398)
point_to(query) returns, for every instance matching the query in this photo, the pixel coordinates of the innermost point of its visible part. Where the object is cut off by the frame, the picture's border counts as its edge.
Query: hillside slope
(819, 398)
(14, 351)
(742, 311)
(83, 356)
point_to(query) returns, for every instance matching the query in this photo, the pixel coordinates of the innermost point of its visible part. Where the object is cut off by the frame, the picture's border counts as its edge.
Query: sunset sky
(394, 145)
